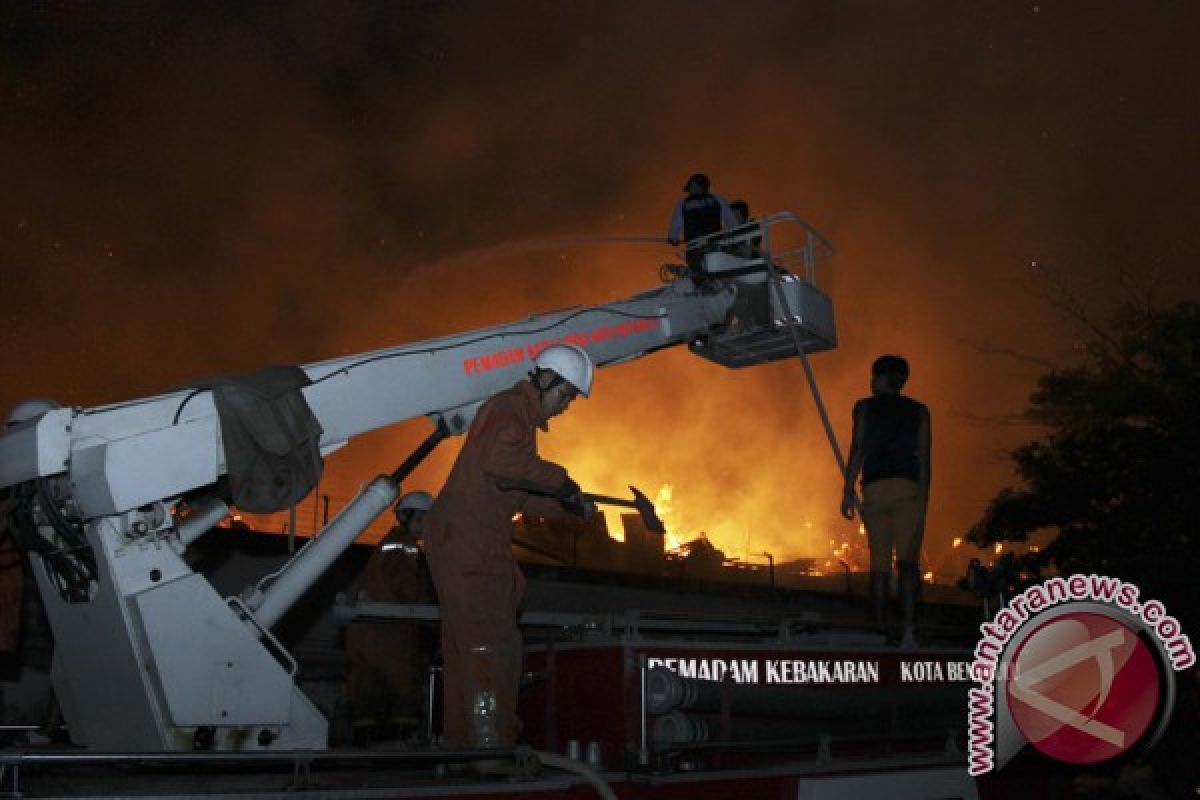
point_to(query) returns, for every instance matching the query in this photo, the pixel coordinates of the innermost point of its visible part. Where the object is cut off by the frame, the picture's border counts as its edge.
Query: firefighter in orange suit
(388, 661)
(468, 542)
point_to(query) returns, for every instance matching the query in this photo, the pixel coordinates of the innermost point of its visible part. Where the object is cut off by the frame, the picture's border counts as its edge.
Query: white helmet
(30, 409)
(416, 501)
(571, 363)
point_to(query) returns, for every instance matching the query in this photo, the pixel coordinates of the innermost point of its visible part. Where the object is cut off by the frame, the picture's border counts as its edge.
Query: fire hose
(774, 279)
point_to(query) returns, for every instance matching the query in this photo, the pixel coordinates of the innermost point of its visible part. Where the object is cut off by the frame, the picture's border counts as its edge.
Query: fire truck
(166, 682)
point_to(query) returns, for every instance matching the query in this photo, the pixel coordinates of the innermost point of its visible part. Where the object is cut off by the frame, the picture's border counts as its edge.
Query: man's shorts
(894, 513)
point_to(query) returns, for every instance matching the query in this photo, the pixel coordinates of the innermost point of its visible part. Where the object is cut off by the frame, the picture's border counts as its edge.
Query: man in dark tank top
(891, 447)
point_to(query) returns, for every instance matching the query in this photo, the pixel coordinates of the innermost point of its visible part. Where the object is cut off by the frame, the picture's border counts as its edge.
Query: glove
(568, 489)
(570, 497)
(579, 506)
(576, 506)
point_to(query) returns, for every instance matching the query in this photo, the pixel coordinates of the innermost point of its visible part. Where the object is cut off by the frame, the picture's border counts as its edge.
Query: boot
(879, 597)
(910, 591)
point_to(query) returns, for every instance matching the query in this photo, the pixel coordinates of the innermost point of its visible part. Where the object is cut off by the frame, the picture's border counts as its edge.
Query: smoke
(193, 191)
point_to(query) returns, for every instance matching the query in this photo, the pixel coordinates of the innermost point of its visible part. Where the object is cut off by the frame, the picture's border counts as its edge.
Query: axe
(640, 502)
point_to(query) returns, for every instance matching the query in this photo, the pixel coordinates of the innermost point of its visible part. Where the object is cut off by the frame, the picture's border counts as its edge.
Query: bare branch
(1016, 355)
(1142, 287)
(1062, 298)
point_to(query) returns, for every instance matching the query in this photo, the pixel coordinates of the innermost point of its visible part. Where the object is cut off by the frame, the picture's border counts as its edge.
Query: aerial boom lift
(148, 657)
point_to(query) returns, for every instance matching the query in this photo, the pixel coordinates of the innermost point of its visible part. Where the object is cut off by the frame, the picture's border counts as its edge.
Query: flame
(665, 506)
(929, 577)
(957, 542)
(999, 546)
(669, 423)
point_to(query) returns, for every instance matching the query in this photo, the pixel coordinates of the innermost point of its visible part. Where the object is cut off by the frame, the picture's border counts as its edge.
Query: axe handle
(509, 484)
(605, 500)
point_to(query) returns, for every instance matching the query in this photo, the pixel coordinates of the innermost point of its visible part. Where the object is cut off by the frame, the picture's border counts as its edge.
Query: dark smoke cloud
(201, 189)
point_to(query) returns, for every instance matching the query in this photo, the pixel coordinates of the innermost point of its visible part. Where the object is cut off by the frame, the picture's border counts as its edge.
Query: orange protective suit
(468, 541)
(388, 660)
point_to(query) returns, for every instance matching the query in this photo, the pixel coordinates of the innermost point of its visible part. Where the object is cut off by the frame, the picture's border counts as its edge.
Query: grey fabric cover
(271, 437)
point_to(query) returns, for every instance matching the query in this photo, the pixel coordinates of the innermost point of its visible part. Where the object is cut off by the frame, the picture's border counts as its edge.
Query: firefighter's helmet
(569, 362)
(420, 500)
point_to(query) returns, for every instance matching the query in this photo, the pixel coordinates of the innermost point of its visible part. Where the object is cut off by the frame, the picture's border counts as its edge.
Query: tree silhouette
(1116, 473)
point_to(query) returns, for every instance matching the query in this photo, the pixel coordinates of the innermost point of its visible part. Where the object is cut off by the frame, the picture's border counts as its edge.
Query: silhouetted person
(891, 448)
(741, 211)
(388, 661)
(699, 214)
(751, 248)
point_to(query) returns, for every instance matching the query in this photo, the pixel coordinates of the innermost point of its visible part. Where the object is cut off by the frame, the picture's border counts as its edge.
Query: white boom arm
(123, 456)
(148, 657)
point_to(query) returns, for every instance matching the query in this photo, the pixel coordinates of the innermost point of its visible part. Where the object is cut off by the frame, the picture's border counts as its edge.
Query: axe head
(649, 516)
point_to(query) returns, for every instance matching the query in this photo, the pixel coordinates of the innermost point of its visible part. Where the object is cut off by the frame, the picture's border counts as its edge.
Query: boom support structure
(148, 657)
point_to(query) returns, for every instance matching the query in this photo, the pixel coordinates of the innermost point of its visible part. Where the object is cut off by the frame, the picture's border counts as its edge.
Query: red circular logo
(1083, 688)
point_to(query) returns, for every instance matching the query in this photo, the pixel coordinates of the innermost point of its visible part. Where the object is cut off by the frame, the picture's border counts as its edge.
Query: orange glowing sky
(195, 192)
